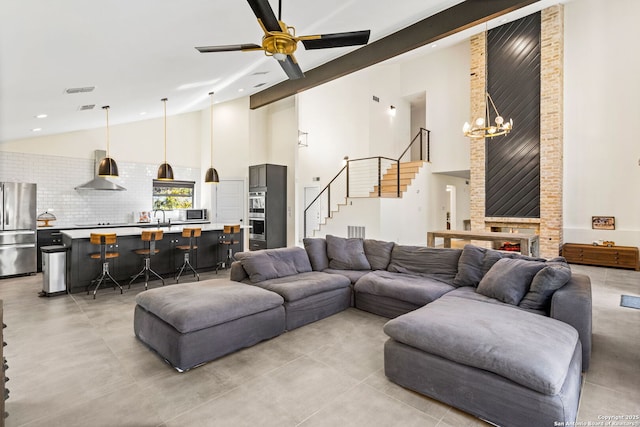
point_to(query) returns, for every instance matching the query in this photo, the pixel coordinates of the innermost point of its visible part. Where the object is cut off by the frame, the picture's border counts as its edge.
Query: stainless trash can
(54, 270)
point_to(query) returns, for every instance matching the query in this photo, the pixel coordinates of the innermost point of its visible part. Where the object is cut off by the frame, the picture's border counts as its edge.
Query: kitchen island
(81, 269)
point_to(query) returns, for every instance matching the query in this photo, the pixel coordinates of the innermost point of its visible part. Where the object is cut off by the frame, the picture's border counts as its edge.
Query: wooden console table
(605, 256)
(526, 240)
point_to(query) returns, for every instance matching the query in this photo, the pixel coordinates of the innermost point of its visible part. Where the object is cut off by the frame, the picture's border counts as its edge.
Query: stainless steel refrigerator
(18, 252)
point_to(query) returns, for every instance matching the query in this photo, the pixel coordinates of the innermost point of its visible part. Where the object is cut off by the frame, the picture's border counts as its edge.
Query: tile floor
(74, 361)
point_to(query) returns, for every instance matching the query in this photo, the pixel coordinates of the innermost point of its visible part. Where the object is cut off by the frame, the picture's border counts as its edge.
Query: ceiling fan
(280, 40)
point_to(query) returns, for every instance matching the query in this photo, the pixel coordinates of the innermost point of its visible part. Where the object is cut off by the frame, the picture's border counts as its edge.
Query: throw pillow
(378, 253)
(289, 261)
(509, 279)
(552, 277)
(470, 266)
(258, 265)
(317, 251)
(346, 254)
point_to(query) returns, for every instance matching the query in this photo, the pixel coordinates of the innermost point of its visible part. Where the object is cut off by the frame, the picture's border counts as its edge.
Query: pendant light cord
(164, 100)
(211, 133)
(106, 109)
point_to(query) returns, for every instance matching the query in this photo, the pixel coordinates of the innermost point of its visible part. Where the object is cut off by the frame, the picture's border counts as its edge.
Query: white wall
(342, 119)
(141, 142)
(444, 76)
(601, 148)
(232, 144)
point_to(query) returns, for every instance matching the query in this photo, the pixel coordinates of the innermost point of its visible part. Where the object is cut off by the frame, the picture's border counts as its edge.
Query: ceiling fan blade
(291, 67)
(262, 10)
(352, 38)
(229, 48)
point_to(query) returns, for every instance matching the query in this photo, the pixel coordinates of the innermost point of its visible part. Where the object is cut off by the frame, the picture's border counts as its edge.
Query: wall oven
(257, 204)
(257, 228)
(256, 215)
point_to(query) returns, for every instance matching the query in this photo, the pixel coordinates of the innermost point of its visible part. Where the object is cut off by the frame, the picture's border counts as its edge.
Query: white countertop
(137, 231)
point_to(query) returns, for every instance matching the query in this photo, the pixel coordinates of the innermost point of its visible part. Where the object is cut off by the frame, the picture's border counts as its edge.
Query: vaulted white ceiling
(135, 52)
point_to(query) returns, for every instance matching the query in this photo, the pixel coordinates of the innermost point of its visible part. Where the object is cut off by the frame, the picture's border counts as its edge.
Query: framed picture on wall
(603, 222)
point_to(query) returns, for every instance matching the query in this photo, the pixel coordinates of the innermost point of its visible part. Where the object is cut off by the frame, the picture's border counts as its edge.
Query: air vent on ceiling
(260, 73)
(85, 89)
(260, 84)
(87, 107)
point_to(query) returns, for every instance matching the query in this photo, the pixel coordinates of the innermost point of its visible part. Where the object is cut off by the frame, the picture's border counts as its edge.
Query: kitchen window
(169, 195)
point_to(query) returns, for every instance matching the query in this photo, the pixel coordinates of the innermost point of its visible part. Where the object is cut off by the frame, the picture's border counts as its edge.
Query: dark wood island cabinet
(81, 269)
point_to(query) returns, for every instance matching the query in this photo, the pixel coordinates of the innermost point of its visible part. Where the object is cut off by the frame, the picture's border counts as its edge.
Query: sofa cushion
(274, 263)
(317, 251)
(509, 279)
(470, 266)
(492, 256)
(469, 292)
(378, 253)
(555, 274)
(299, 286)
(417, 290)
(346, 254)
(531, 350)
(352, 275)
(434, 262)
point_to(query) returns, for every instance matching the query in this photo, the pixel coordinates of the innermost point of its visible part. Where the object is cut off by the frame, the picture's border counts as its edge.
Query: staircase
(372, 177)
(389, 183)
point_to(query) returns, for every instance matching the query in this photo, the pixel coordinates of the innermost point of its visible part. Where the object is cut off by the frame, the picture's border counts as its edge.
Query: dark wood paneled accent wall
(513, 161)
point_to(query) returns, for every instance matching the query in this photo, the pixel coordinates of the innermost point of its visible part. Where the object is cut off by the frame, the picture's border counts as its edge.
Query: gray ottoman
(507, 366)
(194, 323)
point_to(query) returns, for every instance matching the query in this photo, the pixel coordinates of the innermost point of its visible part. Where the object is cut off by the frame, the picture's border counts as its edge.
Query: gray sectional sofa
(499, 335)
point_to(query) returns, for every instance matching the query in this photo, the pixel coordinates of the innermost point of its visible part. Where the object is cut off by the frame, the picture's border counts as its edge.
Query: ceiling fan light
(165, 172)
(211, 176)
(280, 56)
(108, 167)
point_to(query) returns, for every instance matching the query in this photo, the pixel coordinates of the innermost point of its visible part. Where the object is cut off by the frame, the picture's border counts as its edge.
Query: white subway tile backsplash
(57, 178)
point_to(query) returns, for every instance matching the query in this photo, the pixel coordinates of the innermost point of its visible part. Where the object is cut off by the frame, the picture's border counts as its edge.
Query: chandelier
(482, 127)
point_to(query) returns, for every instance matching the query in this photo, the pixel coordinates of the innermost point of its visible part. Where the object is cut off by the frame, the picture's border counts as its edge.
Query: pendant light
(165, 172)
(482, 126)
(108, 166)
(212, 174)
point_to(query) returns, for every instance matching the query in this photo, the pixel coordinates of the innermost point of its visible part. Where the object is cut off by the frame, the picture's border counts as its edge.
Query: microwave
(193, 214)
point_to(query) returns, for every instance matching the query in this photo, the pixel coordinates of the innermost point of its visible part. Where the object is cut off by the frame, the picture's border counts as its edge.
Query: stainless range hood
(99, 183)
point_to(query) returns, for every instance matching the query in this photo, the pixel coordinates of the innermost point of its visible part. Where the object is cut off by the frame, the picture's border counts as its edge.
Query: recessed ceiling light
(40, 116)
(36, 129)
(84, 89)
(143, 113)
(434, 45)
(241, 90)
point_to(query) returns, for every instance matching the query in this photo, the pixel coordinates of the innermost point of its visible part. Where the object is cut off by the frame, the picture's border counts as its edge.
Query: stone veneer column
(477, 146)
(551, 129)
(549, 226)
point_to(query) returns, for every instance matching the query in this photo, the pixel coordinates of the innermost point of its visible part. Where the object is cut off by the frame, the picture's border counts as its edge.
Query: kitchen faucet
(164, 219)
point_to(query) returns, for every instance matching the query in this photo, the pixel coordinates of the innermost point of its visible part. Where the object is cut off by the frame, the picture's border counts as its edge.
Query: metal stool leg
(103, 279)
(146, 270)
(185, 264)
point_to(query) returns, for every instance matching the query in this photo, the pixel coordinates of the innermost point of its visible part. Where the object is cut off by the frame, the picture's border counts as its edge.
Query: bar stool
(228, 238)
(188, 250)
(103, 239)
(150, 237)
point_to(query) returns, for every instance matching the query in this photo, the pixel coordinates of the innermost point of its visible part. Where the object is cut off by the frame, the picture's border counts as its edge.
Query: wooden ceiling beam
(443, 24)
